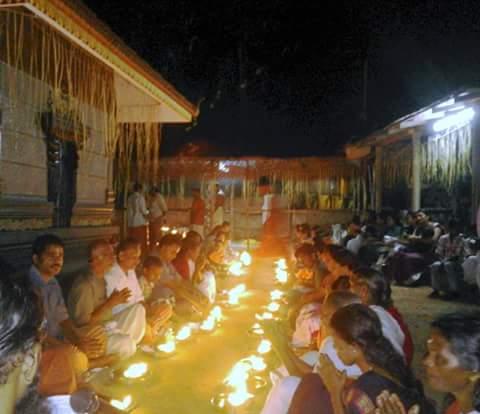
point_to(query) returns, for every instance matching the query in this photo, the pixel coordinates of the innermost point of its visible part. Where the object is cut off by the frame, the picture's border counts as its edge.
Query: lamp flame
(217, 313)
(184, 333)
(281, 275)
(264, 347)
(235, 268)
(168, 347)
(165, 229)
(208, 324)
(281, 264)
(246, 259)
(264, 315)
(122, 404)
(276, 294)
(135, 370)
(273, 306)
(234, 294)
(258, 363)
(239, 397)
(257, 329)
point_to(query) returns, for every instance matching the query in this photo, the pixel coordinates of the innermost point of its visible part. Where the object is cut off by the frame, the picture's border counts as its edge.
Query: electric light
(122, 404)
(458, 118)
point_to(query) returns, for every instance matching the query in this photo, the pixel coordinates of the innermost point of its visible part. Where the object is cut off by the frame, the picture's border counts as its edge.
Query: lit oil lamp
(239, 397)
(281, 275)
(184, 333)
(168, 347)
(257, 363)
(174, 231)
(165, 229)
(256, 330)
(246, 259)
(276, 294)
(136, 371)
(273, 307)
(122, 404)
(217, 313)
(238, 376)
(208, 324)
(234, 294)
(184, 235)
(263, 316)
(265, 346)
(281, 264)
(235, 268)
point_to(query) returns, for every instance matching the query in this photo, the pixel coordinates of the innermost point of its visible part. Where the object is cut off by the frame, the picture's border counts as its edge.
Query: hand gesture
(160, 314)
(119, 297)
(333, 379)
(390, 404)
(93, 341)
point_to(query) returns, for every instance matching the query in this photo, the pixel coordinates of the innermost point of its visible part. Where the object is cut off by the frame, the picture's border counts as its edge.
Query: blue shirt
(53, 303)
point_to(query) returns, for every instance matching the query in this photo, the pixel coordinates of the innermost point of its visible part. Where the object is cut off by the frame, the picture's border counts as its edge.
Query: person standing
(137, 216)
(197, 212)
(218, 213)
(158, 210)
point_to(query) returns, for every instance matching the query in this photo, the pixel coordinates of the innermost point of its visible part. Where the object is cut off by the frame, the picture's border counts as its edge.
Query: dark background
(286, 78)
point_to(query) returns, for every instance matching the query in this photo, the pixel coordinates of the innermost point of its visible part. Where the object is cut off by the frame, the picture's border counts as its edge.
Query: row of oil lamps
(245, 376)
(139, 371)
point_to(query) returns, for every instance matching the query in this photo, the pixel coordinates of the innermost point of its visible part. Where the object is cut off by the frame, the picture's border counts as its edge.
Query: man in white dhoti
(129, 315)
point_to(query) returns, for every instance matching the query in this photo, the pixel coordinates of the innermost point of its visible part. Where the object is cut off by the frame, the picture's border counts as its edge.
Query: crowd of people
(347, 349)
(125, 301)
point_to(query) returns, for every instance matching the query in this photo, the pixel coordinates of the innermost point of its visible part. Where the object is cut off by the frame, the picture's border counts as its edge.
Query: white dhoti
(132, 321)
(307, 324)
(121, 344)
(208, 286)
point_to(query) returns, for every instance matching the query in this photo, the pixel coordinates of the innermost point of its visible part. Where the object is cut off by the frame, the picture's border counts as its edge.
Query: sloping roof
(81, 25)
(402, 127)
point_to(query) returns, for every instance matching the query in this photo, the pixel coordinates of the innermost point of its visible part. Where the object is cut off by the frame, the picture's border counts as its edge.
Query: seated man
(446, 273)
(88, 303)
(122, 276)
(89, 342)
(287, 378)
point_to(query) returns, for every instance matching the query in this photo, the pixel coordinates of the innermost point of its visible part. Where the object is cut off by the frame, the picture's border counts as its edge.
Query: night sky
(285, 78)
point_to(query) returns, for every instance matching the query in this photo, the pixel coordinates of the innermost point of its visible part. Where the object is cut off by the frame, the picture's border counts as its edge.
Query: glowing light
(257, 329)
(281, 275)
(238, 376)
(458, 118)
(273, 307)
(184, 235)
(168, 347)
(276, 294)
(258, 363)
(264, 347)
(165, 229)
(136, 370)
(246, 259)
(264, 315)
(122, 404)
(174, 231)
(239, 397)
(217, 313)
(234, 294)
(208, 324)
(281, 264)
(235, 268)
(184, 333)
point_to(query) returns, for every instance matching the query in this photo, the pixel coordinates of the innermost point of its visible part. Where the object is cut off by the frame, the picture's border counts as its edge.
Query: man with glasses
(88, 303)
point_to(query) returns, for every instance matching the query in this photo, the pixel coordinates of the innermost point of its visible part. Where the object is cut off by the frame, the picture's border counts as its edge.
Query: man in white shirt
(131, 315)
(137, 214)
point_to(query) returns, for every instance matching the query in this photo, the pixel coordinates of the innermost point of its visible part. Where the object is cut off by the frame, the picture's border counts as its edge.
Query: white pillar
(416, 171)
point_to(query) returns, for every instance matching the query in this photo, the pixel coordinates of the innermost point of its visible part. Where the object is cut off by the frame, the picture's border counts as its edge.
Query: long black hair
(462, 331)
(359, 325)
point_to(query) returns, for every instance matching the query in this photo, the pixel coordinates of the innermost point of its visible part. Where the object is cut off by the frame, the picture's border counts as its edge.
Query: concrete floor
(185, 383)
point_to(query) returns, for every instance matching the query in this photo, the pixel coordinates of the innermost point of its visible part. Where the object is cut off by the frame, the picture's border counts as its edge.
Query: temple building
(76, 106)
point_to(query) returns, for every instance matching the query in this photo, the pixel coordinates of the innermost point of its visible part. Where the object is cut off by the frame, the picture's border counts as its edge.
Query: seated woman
(452, 366)
(184, 263)
(358, 339)
(375, 291)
